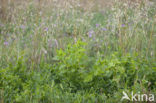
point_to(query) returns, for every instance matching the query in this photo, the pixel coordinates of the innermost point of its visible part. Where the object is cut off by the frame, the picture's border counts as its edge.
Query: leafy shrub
(73, 64)
(78, 71)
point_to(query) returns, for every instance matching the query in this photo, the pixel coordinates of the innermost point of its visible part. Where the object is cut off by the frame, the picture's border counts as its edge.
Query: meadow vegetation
(76, 51)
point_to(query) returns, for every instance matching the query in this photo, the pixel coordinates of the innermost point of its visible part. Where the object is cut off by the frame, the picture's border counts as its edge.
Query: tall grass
(35, 30)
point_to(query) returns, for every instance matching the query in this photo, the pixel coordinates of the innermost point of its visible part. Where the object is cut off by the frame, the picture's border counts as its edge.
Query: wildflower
(94, 39)
(91, 33)
(75, 39)
(46, 29)
(6, 43)
(104, 29)
(123, 25)
(97, 25)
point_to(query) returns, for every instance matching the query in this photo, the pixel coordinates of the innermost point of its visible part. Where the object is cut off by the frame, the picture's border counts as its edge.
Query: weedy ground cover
(65, 53)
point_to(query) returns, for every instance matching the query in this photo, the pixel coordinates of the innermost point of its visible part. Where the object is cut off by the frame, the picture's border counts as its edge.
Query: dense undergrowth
(69, 55)
(77, 77)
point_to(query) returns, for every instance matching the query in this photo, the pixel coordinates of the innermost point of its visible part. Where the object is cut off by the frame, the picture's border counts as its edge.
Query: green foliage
(74, 74)
(58, 54)
(73, 64)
